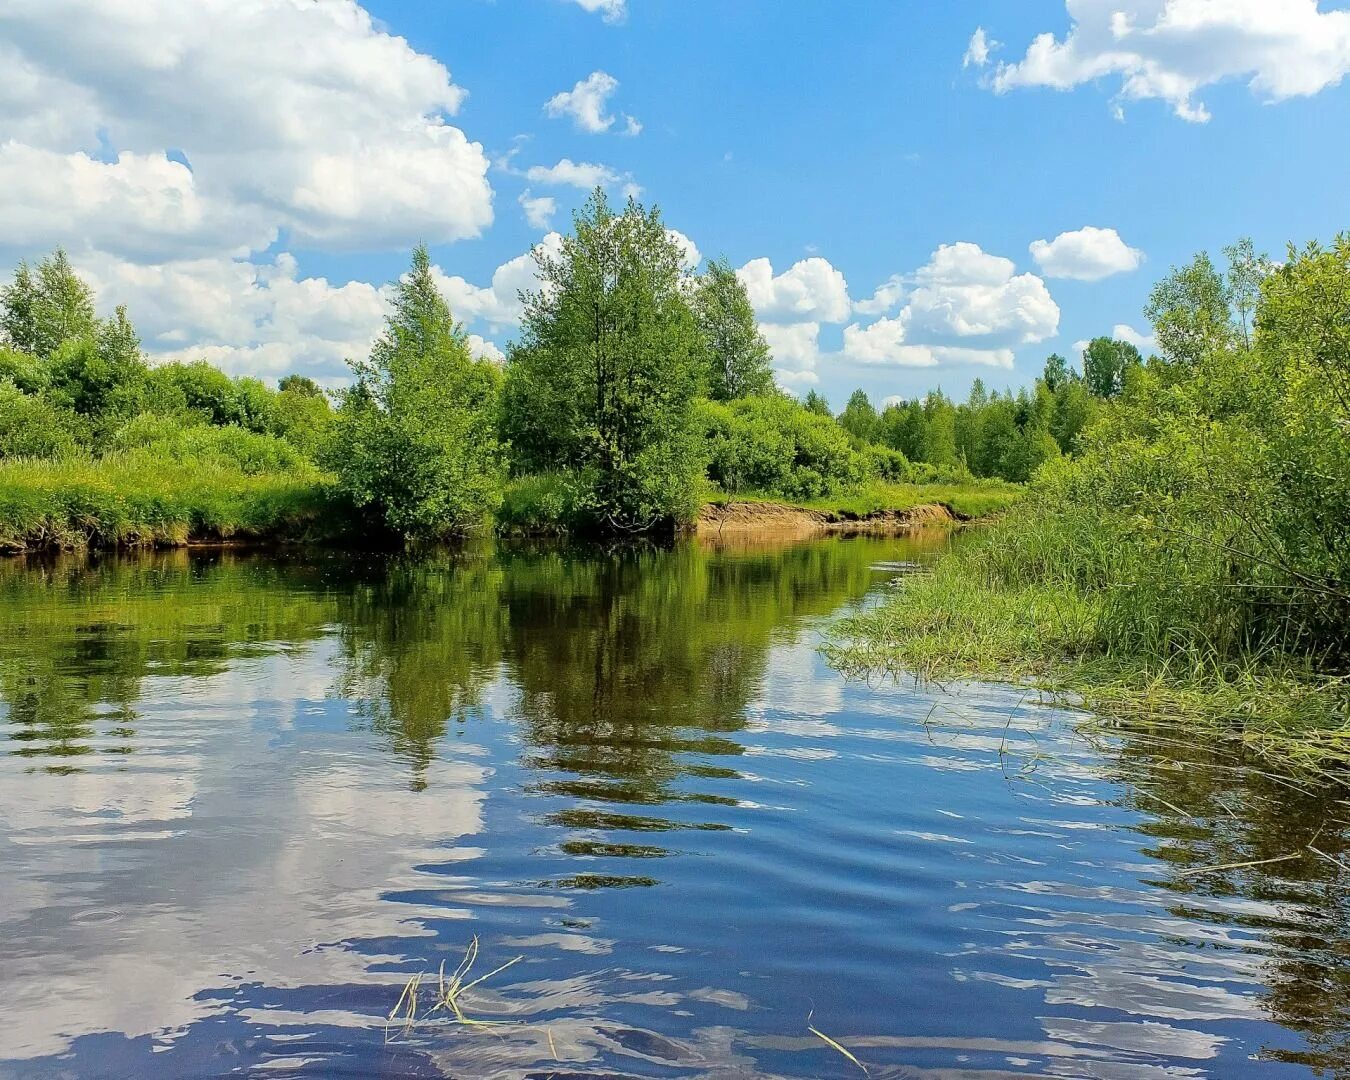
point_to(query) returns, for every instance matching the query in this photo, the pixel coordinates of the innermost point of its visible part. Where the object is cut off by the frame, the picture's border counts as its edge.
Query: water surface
(244, 799)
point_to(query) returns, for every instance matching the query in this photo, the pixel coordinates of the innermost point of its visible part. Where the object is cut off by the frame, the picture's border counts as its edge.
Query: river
(246, 798)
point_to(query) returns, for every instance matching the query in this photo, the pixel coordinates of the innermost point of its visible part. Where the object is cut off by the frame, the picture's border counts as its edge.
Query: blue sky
(311, 147)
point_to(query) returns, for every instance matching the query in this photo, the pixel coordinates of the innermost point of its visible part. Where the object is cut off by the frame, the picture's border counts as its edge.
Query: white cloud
(539, 209)
(1145, 343)
(587, 104)
(1169, 50)
(611, 10)
(964, 293)
(485, 350)
(885, 342)
(165, 145)
(579, 174)
(143, 205)
(795, 348)
(692, 256)
(810, 289)
(289, 115)
(977, 52)
(887, 296)
(496, 305)
(249, 318)
(963, 307)
(1089, 254)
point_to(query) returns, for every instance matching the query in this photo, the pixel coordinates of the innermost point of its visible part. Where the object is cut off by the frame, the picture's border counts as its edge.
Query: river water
(245, 799)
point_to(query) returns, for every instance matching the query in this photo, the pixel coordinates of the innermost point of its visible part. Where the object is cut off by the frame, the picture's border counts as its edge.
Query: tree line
(635, 388)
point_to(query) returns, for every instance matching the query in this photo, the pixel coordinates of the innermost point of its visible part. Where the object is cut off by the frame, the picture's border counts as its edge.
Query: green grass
(133, 498)
(961, 621)
(971, 500)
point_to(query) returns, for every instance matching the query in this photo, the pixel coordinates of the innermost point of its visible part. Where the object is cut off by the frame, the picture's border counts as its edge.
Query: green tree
(1105, 362)
(859, 418)
(738, 355)
(300, 384)
(815, 402)
(46, 306)
(416, 439)
(1190, 313)
(1056, 372)
(603, 380)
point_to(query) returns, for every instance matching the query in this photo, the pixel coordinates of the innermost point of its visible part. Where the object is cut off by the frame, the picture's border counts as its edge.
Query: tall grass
(1057, 599)
(139, 498)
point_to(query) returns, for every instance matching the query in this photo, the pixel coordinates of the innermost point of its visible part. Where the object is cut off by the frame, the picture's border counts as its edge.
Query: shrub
(31, 426)
(773, 445)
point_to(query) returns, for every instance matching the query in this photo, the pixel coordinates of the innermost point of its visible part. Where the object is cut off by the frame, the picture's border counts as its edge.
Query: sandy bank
(783, 519)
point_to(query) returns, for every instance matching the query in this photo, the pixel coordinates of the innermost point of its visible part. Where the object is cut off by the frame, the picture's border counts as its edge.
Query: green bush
(773, 445)
(883, 463)
(166, 438)
(539, 504)
(31, 426)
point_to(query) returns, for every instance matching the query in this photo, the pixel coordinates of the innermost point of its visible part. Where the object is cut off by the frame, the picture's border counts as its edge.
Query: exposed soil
(783, 519)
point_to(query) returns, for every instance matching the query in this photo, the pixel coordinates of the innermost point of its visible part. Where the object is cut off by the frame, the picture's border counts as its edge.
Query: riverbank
(961, 622)
(131, 500)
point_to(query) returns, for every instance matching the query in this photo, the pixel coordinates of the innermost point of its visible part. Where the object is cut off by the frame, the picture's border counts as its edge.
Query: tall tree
(738, 355)
(602, 381)
(46, 306)
(1190, 313)
(416, 439)
(815, 403)
(859, 417)
(1105, 362)
(1056, 372)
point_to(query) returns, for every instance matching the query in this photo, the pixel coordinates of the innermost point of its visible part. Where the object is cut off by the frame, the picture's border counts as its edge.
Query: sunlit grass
(961, 621)
(133, 498)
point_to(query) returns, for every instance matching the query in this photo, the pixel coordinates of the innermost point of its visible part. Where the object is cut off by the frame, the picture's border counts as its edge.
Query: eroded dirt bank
(781, 518)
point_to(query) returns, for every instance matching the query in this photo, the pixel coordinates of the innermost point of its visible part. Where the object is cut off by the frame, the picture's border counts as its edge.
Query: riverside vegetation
(638, 390)
(1192, 557)
(1183, 543)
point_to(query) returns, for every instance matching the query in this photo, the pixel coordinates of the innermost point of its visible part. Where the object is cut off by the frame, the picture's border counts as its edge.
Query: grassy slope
(133, 499)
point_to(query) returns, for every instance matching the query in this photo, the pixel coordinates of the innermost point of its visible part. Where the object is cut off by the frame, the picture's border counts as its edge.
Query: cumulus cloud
(287, 115)
(248, 318)
(539, 209)
(610, 10)
(587, 104)
(887, 296)
(497, 304)
(795, 348)
(965, 293)
(165, 145)
(569, 173)
(977, 52)
(810, 289)
(964, 306)
(1145, 343)
(1089, 254)
(1170, 50)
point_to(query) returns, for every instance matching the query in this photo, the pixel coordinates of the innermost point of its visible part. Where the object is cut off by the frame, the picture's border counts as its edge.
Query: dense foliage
(602, 383)
(1200, 536)
(416, 437)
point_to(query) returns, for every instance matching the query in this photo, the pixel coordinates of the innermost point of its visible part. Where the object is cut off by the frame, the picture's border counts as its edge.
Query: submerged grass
(405, 1015)
(131, 498)
(964, 621)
